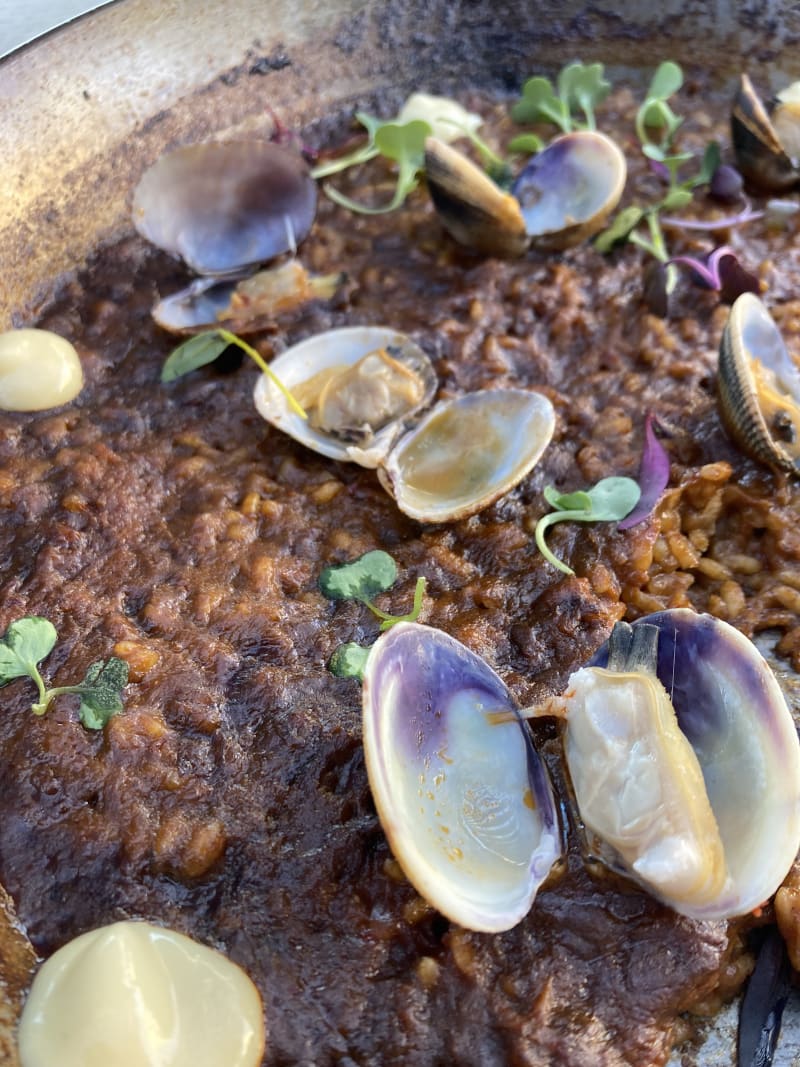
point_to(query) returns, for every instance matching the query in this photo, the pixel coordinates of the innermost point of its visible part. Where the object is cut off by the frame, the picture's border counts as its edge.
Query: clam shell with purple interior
(732, 711)
(462, 796)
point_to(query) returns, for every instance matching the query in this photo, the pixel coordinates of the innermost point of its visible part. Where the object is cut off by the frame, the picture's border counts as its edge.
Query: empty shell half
(463, 798)
(362, 388)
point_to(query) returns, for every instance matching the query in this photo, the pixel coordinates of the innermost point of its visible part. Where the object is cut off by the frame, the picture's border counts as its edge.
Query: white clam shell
(460, 457)
(467, 452)
(464, 800)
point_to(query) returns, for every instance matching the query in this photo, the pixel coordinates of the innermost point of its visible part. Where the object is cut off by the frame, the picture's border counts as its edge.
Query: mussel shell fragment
(761, 155)
(467, 452)
(225, 206)
(759, 386)
(474, 211)
(732, 711)
(464, 800)
(567, 191)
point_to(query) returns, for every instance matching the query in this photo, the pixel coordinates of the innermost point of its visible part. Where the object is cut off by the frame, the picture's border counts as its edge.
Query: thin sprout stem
(232, 339)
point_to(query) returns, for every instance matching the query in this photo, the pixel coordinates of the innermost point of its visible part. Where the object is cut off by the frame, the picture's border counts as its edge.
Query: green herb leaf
(525, 144)
(206, 347)
(583, 87)
(25, 644)
(540, 103)
(363, 578)
(349, 661)
(712, 157)
(608, 501)
(199, 350)
(404, 144)
(666, 81)
(676, 198)
(620, 228)
(101, 692)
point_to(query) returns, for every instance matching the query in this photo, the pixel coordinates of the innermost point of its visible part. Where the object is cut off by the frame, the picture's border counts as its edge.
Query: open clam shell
(226, 206)
(475, 212)
(765, 146)
(464, 800)
(460, 457)
(468, 452)
(567, 191)
(731, 711)
(759, 386)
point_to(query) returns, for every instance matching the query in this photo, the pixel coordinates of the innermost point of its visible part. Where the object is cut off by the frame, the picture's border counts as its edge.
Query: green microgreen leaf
(359, 155)
(666, 81)
(627, 219)
(525, 144)
(404, 144)
(349, 661)
(583, 87)
(655, 113)
(370, 574)
(101, 692)
(28, 641)
(199, 350)
(205, 347)
(579, 87)
(539, 103)
(365, 577)
(676, 198)
(25, 644)
(608, 501)
(712, 157)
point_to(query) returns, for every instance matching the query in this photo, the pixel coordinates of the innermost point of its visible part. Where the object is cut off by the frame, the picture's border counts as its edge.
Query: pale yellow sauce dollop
(38, 370)
(136, 995)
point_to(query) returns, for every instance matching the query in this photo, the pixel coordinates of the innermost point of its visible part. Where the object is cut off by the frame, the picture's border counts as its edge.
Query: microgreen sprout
(30, 640)
(402, 141)
(653, 476)
(579, 87)
(721, 270)
(205, 347)
(362, 579)
(608, 501)
(365, 577)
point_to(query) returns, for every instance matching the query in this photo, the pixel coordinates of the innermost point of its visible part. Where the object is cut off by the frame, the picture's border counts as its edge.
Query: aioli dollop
(38, 370)
(137, 995)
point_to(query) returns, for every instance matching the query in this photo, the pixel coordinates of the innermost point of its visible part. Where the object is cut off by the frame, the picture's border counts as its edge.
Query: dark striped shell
(760, 154)
(759, 387)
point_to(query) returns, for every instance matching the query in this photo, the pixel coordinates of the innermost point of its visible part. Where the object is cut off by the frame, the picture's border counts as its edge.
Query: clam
(563, 196)
(568, 191)
(223, 207)
(759, 386)
(473, 210)
(364, 386)
(685, 762)
(464, 800)
(766, 146)
(243, 304)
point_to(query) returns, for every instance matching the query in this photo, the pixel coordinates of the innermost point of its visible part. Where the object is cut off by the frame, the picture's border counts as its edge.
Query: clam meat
(243, 305)
(363, 388)
(766, 146)
(226, 206)
(464, 800)
(759, 386)
(564, 195)
(685, 763)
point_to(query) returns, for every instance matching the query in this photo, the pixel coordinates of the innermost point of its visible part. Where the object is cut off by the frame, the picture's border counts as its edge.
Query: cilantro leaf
(539, 102)
(349, 661)
(579, 87)
(582, 87)
(101, 692)
(365, 577)
(611, 499)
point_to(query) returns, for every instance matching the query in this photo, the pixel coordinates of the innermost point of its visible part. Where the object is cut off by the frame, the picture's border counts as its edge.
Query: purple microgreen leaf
(653, 476)
(721, 270)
